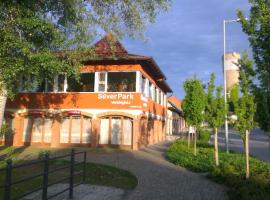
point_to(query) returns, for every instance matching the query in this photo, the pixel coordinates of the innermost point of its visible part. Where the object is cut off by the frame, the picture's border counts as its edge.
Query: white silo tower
(232, 69)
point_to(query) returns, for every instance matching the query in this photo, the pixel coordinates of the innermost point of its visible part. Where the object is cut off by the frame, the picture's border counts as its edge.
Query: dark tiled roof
(109, 48)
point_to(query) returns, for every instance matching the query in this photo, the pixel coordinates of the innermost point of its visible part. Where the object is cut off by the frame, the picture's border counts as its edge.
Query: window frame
(135, 81)
(70, 119)
(84, 72)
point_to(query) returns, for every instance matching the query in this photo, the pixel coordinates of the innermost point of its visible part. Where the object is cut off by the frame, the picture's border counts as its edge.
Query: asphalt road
(259, 143)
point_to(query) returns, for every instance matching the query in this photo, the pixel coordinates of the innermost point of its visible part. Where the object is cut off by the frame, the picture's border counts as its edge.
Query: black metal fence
(8, 183)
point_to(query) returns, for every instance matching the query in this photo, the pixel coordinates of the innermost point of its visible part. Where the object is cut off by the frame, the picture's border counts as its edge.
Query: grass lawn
(231, 171)
(96, 174)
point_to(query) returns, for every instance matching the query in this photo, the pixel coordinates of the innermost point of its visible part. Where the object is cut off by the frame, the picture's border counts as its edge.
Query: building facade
(175, 120)
(119, 101)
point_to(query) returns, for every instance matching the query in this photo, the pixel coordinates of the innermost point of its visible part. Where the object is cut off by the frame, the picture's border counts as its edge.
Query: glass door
(104, 131)
(116, 130)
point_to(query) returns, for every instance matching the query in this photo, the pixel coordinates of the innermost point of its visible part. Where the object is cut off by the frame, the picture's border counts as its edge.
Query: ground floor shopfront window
(37, 129)
(116, 130)
(75, 129)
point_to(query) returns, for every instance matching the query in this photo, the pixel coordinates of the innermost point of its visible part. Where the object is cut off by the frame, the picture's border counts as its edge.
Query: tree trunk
(3, 100)
(216, 147)
(195, 143)
(247, 154)
(188, 137)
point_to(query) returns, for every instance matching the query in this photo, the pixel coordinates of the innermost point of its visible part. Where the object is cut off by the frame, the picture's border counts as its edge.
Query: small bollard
(45, 177)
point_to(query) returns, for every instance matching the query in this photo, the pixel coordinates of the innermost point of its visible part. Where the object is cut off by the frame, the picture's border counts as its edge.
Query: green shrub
(231, 171)
(42, 153)
(204, 136)
(5, 130)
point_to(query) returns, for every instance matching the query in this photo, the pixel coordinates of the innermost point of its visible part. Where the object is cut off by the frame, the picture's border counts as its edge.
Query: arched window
(76, 129)
(37, 128)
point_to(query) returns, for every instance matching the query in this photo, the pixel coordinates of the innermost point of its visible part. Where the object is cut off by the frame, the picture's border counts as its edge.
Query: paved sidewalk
(159, 179)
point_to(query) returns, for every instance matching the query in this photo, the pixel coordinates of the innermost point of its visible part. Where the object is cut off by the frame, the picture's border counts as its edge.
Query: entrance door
(116, 130)
(104, 131)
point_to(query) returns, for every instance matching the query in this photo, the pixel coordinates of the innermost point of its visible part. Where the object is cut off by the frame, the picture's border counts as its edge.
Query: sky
(188, 40)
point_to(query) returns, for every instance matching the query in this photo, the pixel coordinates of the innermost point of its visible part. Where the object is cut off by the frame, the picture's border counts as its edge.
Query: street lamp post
(225, 82)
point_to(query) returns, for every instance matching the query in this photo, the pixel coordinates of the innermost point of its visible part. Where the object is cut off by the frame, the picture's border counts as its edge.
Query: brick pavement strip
(159, 179)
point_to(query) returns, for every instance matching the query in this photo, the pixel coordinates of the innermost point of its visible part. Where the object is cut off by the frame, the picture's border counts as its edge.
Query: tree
(258, 30)
(214, 111)
(245, 107)
(32, 31)
(233, 97)
(194, 104)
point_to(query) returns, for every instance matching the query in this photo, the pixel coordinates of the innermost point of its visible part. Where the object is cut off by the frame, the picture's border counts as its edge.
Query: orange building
(120, 100)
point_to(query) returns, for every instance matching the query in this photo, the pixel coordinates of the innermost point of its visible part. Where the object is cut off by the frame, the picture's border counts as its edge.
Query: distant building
(232, 69)
(176, 123)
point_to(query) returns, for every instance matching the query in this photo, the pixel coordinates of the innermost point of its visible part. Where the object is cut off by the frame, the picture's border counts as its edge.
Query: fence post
(71, 174)
(45, 177)
(84, 166)
(7, 193)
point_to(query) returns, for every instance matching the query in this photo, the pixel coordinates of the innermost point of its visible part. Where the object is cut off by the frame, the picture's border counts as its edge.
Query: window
(104, 131)
(144, 86)
(85, 84)
(102, 79)
(31, 84)
(154, 93)
(75, 129)
(86, 130)
(45, 86)
(28, 84)
(151, 94)
(61, 82)
(64, 136)
(160, 97)
(37, 129)
(121, 82)
(47, 130)
(157, 96)
(164, 100)
(26, 129)
(127, 129)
